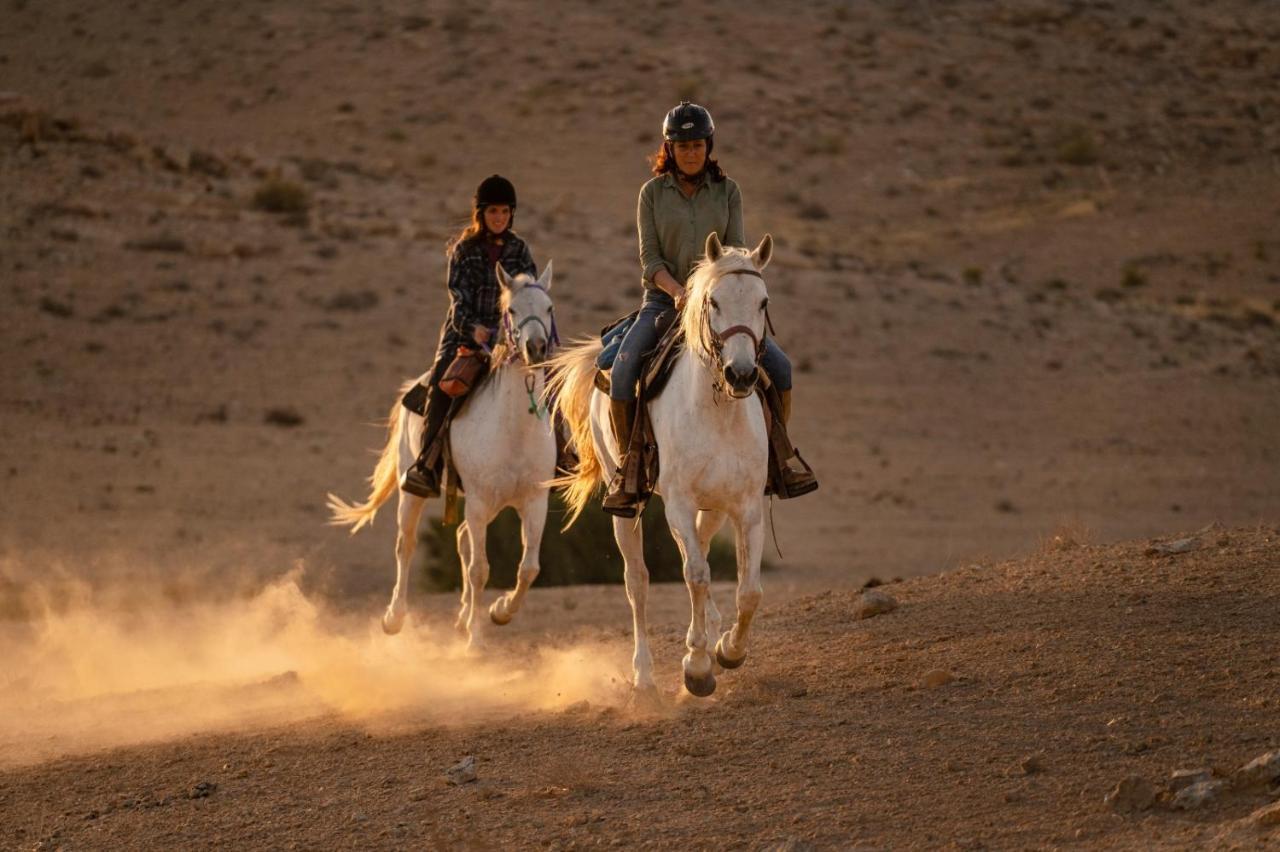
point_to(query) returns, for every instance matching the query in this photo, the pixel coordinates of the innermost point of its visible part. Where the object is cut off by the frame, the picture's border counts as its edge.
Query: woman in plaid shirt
(473, 307)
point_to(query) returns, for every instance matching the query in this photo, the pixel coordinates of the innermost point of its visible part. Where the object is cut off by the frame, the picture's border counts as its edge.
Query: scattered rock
(1132, 795)
(1259, 772)
(872, 603)
(1183, 778)
(1266, 816)
(1170, 548)
(462, 772)
(935, 678)
(1198, 795)
(1032, 764)
(202, 790)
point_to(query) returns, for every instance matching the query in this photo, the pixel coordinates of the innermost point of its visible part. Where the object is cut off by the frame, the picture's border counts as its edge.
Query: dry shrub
(277, 195)
(1068, 535)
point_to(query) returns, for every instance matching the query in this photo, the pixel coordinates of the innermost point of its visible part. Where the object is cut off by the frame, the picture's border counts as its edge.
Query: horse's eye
(715, 306)
(764, 303)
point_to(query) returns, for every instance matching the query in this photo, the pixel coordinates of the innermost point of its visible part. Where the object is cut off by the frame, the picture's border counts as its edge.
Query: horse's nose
(537, 351)
(741, 380)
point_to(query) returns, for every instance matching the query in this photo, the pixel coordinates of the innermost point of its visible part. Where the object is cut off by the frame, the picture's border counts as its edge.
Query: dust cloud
(84, 677)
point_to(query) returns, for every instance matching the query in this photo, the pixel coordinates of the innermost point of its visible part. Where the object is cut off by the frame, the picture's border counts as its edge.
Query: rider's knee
(778, 366)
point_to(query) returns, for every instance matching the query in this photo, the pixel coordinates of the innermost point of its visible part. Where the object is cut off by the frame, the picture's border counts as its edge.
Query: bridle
(719, 338)
(512, 335)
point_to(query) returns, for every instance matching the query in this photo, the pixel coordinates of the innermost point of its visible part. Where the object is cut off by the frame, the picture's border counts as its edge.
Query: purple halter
(511, 334)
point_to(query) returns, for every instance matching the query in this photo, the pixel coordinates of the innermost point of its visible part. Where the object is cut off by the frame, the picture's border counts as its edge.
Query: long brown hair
(475, 229)
(663, 161)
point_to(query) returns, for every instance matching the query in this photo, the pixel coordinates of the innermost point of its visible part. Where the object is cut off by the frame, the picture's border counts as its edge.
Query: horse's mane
(702, 281)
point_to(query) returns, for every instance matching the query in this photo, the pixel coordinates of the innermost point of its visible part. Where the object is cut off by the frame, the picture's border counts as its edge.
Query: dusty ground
(1096, 663)
(1027, 271)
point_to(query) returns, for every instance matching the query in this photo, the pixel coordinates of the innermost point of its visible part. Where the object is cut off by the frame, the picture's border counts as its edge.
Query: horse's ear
(763, 253)
(503, 279)
(714, 248)
(544, 280)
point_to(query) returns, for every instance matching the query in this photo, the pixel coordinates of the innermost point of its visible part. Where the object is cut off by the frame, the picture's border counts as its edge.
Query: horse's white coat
(504, 454)
(714, 452)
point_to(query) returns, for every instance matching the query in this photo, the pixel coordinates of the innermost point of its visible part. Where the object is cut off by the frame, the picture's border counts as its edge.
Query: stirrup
(420, 483)
(618, 502)
(797, 483)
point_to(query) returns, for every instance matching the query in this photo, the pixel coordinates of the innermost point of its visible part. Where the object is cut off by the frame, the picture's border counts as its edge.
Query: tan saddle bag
(466, 369)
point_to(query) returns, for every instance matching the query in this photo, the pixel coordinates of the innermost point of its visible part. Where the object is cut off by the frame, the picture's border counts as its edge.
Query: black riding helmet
(687, 122)
(495, 189)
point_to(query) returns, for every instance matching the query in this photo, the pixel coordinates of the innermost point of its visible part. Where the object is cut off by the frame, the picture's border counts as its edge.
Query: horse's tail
(572, 381)
(383, 481)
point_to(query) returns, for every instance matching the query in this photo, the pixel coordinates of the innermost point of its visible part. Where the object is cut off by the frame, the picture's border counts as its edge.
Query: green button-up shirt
(673, 229)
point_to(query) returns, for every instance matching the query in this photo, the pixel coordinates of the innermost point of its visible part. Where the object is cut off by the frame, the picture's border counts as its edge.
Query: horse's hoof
(497, 619)
(725, 662)
(645, 699)
(700, 686)
(391, 624)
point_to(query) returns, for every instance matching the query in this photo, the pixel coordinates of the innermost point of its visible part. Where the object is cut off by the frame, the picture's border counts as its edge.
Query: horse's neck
(507, 387)
(697, 397)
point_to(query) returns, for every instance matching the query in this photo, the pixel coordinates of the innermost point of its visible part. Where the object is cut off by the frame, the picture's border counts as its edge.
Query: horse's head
(527, 321)
(725, 313)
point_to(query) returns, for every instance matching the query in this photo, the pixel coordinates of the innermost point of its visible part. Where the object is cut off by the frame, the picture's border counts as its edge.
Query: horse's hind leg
(407, 516)
(709, 523)
(682, 518)
(630, 540)
(731, 650)
(533, 517)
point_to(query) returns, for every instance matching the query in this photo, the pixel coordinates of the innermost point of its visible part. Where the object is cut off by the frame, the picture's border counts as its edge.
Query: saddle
(439, 457)
(659, 363)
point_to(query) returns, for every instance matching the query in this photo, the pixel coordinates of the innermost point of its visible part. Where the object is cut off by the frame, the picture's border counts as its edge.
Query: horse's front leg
(709, 523)
(407, 516)
(464, 559)
(476, 568)
(682, 518)
(630, 540)
(533, 517)
(731, 650)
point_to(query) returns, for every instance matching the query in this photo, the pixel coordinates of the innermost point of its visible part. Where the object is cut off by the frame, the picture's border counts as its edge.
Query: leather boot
(618, 501)
(797, 476)
(421, 479)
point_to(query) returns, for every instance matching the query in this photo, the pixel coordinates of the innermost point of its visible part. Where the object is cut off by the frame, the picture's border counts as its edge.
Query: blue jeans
(643, 337)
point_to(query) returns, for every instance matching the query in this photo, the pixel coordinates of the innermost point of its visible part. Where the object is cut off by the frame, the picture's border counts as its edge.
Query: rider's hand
(480, 334)
(680, 298)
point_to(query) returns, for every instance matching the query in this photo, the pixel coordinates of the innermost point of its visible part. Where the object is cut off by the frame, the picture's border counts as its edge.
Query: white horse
(714, 450)
(504, 452)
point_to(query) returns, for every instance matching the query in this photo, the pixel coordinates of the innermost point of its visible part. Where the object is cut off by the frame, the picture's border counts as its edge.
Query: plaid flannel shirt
(473, 284)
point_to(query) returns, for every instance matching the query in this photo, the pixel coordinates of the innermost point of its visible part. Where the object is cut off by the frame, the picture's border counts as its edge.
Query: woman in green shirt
(689, 197)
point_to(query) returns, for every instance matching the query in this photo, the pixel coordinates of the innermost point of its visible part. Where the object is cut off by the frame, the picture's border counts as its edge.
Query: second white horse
(504, 452)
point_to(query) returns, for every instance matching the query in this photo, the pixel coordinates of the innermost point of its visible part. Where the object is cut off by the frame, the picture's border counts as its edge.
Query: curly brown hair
(663, 161)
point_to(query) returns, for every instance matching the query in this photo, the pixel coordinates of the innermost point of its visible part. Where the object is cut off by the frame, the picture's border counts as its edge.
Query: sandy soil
(1027, 272)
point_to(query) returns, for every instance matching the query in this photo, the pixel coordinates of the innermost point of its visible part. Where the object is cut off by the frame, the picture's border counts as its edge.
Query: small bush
(1078, 149)
(1132, 278)
(972, 276)
(813, 211)
(586, 553)
(277, 195)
